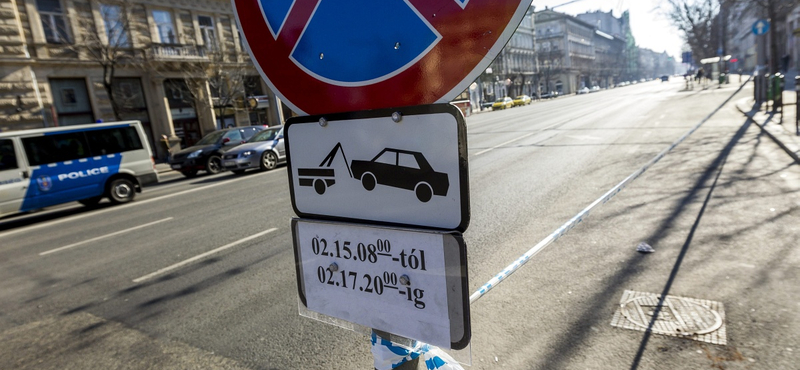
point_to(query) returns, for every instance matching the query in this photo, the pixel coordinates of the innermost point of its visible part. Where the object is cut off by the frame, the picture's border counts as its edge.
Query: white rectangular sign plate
(404, 282)
(404, 166)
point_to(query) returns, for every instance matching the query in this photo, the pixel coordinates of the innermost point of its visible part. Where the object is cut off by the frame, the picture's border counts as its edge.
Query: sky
(650, 28)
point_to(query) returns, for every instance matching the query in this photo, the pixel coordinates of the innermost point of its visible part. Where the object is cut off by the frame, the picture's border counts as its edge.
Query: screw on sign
(329, 56)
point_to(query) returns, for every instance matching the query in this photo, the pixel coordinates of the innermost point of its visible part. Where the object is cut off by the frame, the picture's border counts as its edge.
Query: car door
(13, 177)
(279, 145)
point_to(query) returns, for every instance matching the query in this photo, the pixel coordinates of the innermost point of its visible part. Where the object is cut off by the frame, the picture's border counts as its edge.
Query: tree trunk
(774, 57)
(108, 84)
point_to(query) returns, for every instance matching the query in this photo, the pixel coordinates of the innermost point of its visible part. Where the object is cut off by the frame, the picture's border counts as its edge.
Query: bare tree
(226, 75)
(704, 30)
(550, 66)
(776, 11)
(227, 80)
(109, 44)
(695, 19)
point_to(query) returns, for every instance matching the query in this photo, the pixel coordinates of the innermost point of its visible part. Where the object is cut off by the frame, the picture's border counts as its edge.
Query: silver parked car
(265, 150)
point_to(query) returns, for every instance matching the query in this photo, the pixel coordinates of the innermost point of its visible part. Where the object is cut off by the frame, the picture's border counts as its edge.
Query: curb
(742, 105)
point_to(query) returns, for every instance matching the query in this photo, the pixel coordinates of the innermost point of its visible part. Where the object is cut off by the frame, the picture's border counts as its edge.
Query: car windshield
(520, 97)
(500, 100)
(211, 138)
(266, 135)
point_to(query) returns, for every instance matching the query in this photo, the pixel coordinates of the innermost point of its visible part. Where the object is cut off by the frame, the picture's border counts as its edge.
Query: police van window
(8, 158)
(55, 148)
(113, 140)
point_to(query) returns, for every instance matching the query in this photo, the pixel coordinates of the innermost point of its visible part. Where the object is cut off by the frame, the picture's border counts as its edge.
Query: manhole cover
(696, 319)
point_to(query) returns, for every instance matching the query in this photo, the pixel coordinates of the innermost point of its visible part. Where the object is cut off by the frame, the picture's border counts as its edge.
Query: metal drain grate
(689, 318)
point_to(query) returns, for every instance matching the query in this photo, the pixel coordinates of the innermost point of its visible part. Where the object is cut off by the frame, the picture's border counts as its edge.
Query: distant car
(206, 155)
(584, 90)
(265, 150)
(594, 89)
(503, 103)
(550, 95)
(414, 174)
(522, 100)
(664, 78)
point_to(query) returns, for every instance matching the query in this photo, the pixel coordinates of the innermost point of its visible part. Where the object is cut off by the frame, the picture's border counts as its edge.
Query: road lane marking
(104, 237)
(518, 139)
(133, 204)
(584, 214)
(201, 256)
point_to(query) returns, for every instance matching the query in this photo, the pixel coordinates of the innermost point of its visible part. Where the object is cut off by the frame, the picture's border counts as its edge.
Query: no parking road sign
(329, 56)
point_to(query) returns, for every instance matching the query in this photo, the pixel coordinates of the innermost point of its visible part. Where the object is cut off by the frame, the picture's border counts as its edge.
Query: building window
(54, 21)
(71, 100)
(241, 42)
(114, 19)
(166, 30)
(207, 30)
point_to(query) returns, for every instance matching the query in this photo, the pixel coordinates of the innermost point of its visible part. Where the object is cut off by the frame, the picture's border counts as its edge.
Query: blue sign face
(349, 43)
(760, 27)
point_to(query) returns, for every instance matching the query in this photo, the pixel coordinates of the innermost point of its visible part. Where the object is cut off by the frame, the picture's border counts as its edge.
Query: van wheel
(214, 165)
(190, 173)
(121, 191)
(90, 202)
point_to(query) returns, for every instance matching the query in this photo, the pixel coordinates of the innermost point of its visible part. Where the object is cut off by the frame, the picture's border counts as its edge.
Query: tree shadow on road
(579, 331)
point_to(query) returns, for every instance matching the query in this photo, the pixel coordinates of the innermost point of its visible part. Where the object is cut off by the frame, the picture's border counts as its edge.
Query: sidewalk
(163, 168)
(780, 127)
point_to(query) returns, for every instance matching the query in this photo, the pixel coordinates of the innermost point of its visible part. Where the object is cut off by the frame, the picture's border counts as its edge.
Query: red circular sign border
(428, 81)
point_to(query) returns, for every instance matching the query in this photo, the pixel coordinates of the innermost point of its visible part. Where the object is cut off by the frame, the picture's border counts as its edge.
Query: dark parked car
(207, 153)
(401, 169)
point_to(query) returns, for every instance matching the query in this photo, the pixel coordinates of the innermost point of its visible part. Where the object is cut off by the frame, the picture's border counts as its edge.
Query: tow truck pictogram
(322, 178)
(402, 169)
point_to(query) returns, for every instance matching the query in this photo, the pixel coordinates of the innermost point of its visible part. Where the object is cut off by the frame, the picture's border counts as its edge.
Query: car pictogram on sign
(401, 169)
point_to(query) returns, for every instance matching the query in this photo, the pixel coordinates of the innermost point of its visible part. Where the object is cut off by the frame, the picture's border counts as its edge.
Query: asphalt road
(200, 273)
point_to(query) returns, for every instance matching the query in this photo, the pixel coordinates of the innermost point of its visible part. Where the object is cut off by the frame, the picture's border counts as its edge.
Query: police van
(86, 163)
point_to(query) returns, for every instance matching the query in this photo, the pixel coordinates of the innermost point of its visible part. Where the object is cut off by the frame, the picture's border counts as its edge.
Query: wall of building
(30, 65)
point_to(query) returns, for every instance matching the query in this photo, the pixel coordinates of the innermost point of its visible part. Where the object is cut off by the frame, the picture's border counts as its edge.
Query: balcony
(179, 52)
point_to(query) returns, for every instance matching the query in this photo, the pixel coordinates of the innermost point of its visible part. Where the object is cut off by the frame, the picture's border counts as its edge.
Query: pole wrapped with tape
(387, 355)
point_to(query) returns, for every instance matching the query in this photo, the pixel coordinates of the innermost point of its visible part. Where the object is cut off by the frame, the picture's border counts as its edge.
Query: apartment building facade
(179, 67)
(565, 45)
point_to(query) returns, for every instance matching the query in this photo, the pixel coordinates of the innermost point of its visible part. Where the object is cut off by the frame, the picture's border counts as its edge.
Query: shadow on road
(715, 167)
(73, 209)
(567, 346)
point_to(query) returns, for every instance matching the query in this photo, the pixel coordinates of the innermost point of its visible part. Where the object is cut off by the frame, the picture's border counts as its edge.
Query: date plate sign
(404, 282)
